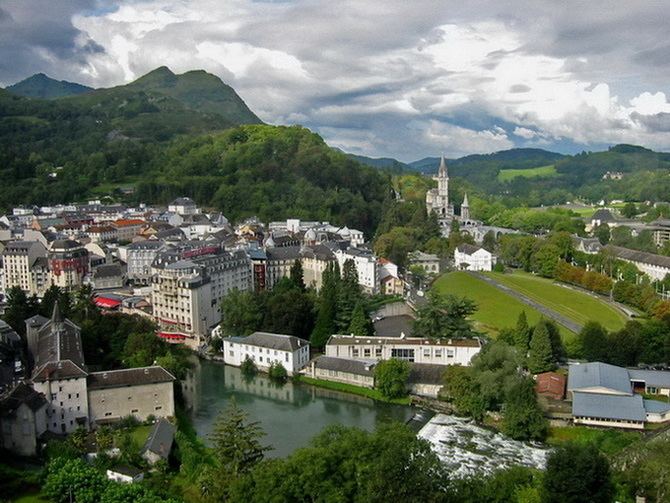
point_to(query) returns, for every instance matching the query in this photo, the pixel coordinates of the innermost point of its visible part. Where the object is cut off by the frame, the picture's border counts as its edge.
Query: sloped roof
(468, 249)
(603, 215)
(356, 367)
(269, 340)
(656, 406)
(426, 373)
(160, 438)
(656, 378)
(20, 394)
(640, 256)
(63, 369)
(598, 375)
(128, 377)
(597, 405)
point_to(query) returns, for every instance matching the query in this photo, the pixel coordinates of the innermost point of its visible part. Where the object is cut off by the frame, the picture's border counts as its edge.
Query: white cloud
(411, 79)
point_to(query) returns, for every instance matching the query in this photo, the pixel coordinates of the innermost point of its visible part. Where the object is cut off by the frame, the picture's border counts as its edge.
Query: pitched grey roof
(598, 375)
(656, 406)
(426, 373)
(128, 377)
(468, 248)
(272, 341)
(622, 407)
(603, 215)
(351, 340)
(283, 253)
(640, 256)
(656, 378)
(21, 393)
(356, 367)
(108, 271)
(160, 438)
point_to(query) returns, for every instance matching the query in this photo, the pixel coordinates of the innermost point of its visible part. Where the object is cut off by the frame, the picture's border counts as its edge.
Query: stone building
(26, 267)
(22, 419)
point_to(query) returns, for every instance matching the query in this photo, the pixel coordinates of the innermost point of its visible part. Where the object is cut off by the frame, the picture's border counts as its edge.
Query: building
(590, 246)
(23, 419)
(68, 264)
(412, 349)
(138, 392)
(264, 349)
(187, 288)
(425, 379)
(607, 395)
(437, 200)
(468, 257)
(356, 372)
(125, 474)
(367, 267)
(660, 229)
(654, 266)
(429, 262)
(183, 206)
(389, 279)
(109, 276)
(159, 442)
(102, 233)
(139, 257)
(26, 267)
(550, 385)
(127, 228)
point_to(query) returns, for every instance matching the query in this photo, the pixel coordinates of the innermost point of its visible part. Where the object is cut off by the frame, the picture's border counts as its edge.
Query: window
(69, 396)
(403, 354)
(438, 353)
(450, 353)
(378, 352)
(53, 396)
(260, 358)
(286, 357)
(231, 353)
(107, 414)
(158, 407)
(134, 411)
(355, 352)
(426, 352)
(366, 352)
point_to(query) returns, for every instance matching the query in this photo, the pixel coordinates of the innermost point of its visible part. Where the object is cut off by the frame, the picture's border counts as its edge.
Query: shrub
(278, 373)
(248, 367)
(391, 377)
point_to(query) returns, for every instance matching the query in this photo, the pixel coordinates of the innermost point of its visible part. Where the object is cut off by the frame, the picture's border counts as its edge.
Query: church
(437, 201)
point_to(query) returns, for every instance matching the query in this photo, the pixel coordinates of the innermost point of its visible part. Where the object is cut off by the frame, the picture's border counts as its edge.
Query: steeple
(465, 208)
(442, 171)
(56, 316)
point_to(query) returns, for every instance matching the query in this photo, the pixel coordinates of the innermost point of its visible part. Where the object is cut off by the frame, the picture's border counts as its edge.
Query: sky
(404, 79)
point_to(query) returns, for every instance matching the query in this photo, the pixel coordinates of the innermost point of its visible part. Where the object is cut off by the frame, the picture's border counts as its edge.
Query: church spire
(465, 200)
(442, 171)
(56, 316)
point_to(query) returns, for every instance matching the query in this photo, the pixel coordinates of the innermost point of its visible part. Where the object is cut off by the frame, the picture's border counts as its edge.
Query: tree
(540, 355)
(142, 348)
(593, 341)
(360, 325)
(577, 473)
(289, 310)
(18, 309)
(240, 313)
(104, 438)
(73, 480)
(445, 317)
(391, 377)
(349, 294)
(489, 242)
(297, 275)
(325, 321)
(522, 333)
(462, 390)
(523, 418)
(237, 449)
(629, 210)
(277, 373)
(602, 232)
(248, 367)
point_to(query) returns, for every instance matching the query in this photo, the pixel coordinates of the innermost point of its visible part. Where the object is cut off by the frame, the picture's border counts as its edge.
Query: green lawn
(32, 498)
(609, 441)
(497, 310)
(350, 388)
(576, 305)
(505, 175)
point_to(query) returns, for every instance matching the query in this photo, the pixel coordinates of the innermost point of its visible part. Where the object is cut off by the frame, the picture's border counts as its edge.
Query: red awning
(171, 336)
(107, 302)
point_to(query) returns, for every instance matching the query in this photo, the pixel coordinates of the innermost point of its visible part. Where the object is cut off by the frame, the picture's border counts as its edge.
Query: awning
(107, 302)
(171, 336)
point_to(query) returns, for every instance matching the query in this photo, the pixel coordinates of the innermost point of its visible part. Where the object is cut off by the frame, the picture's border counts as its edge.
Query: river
(290, 414)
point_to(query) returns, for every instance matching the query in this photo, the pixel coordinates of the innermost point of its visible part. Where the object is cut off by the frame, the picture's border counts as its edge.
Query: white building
(183, 206)
(187, 290)
(26, 266)
(265, 348)
(366, 267)
(139, 257)
(429, 262)
(654, 266)
(412, 349)
(437, 200)
(473, 258)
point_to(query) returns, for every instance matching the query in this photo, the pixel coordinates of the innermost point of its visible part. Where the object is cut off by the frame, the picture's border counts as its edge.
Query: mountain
(42, 86)
(387, 163)
(516, 158)
(197, 90)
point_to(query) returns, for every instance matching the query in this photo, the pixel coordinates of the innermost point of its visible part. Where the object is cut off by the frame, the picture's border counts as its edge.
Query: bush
(391, 377)
(278, 373)
(499, 267)
(248, 367)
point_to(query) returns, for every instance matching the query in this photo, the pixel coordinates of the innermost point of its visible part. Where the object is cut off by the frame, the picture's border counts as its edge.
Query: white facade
(366, 267)
(412, 349)
(264, 349)
(471, 258)
(67, 409)
(25, 266)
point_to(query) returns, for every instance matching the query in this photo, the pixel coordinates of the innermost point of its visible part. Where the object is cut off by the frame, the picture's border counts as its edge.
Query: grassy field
(32, 498)
(350, 388)
(576, 305)
(609, 441)
(497, 310)
(505, 175)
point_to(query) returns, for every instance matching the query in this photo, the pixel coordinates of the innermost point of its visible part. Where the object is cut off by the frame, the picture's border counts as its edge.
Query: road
(549, 313)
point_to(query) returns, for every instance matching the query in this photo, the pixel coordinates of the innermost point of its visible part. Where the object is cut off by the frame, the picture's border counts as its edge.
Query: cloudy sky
(407, 79)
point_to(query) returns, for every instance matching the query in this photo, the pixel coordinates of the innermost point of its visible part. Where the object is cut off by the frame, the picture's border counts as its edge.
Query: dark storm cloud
(659, 122)
(38, 36)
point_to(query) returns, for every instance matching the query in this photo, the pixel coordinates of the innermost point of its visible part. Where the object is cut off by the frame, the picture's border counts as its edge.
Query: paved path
(549, 313)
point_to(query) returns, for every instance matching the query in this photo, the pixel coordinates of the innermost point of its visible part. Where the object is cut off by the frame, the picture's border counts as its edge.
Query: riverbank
(350, 388)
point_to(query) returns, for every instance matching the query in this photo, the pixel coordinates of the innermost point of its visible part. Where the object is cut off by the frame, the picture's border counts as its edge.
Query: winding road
(549, 313)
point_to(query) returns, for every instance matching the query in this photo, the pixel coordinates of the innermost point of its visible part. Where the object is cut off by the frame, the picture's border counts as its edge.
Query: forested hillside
(42, 86)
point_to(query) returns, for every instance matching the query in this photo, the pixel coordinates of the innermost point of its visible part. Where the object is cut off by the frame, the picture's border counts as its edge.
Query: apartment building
(187, 291)
(367, 267)
(139, 257)
(68, 263)
(264, 349)
(26, 266)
